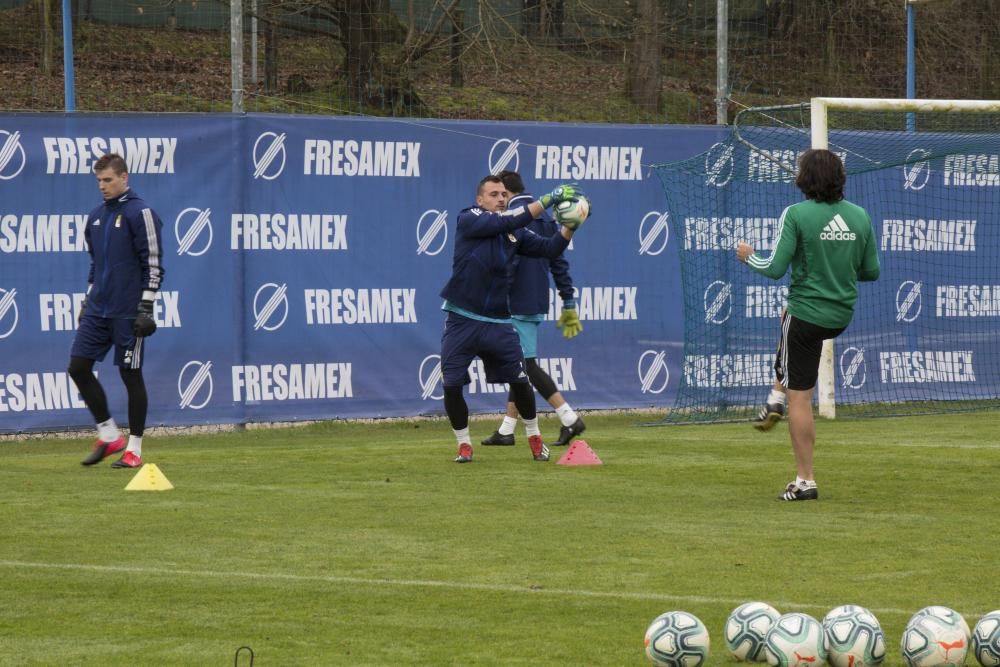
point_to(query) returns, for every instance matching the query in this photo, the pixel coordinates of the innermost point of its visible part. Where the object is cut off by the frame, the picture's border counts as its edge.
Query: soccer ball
(935, 637)
(795, 640)
(854, 637)
(986, 640)
(573, 213)
(746, 628)
(677, 639)
(946, 614)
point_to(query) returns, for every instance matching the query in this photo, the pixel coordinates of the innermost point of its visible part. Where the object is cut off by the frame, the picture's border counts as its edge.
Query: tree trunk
(358, 27)
(644, 72)
(531, 19)
(267, 20)
(47, 16)
(542, 19)
(553, 16)
(457, 46)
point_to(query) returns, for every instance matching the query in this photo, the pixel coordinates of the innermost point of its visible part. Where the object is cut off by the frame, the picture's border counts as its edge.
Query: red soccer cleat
(464, 453)
(103, 450)
(538, 449)
(128, 460)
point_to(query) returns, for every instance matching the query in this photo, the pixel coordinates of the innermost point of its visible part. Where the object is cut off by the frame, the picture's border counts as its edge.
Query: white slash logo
(430, 377)
(12, 158)
(200, 223)
(431, 233)
(262, 312)
(657, 233)
(908, 302)
(266, 151)
(191, 388)
(719, 164)
(916, 169)
(653, 372)
(852, 368)
(8, 305)
(506, 156)
(718, 302)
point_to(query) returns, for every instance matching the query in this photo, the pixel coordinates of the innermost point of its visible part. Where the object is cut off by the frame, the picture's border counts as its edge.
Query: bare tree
(379, 49)
(645, 78)
(47, 17)
(543, 19)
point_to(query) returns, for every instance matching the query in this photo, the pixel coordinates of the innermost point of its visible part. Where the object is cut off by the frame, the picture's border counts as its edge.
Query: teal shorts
(527, 331)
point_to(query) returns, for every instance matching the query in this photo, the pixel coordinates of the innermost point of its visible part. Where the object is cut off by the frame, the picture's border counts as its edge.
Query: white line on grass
(427, 583)
(914, 445)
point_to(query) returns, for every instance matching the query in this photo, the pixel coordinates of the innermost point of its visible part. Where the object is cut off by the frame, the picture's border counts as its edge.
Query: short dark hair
(512, 181)
(492, 178)
(821, 175)
(112, 161)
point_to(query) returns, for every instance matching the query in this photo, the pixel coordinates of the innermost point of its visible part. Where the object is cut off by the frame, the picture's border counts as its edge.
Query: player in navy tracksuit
(488, 238)
(529, 303)
(124, 241)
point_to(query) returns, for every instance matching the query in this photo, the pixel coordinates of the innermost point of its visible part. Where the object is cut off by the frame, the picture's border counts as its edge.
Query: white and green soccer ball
(854, 637)
(746, 628)
(986, 640)
(935, 637)
(573, 213)
(795, 640)
(677, 639)
(946, 614)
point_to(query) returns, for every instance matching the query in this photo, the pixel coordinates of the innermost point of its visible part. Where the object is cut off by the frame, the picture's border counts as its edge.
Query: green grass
(363, 544)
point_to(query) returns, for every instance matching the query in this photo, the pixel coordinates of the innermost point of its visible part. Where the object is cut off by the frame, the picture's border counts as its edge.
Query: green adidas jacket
(830, 248)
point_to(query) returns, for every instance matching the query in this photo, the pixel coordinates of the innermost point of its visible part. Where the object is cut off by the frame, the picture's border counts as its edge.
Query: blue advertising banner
(304, 257)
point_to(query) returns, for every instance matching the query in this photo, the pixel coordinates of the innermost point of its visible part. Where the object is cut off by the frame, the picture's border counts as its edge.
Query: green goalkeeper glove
(569, 322)
(565, 192)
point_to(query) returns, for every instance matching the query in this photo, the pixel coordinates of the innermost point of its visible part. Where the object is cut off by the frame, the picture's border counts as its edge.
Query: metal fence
(578, 60)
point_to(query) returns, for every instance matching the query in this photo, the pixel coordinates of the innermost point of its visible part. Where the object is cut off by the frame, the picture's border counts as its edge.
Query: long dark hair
(821, 175)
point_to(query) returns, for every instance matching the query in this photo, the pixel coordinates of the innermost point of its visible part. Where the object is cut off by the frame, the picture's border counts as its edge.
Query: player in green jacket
(830, 244)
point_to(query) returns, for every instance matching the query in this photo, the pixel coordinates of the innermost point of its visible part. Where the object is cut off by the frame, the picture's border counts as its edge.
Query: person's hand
(743, 251)
(144, 325)
(83, 307)
(569, 322)
(565, 192)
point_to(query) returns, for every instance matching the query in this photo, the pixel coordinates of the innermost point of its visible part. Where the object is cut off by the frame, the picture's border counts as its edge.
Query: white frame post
(820, 137)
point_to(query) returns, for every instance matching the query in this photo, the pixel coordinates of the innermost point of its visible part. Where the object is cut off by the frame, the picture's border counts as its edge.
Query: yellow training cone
(149, 478)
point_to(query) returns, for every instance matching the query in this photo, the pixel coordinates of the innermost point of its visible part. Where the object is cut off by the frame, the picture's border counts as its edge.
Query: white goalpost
(820, 108)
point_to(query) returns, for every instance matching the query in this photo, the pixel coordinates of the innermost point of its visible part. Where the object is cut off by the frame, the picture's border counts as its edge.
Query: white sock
(804, 483)
(531, 427)
(566, 414)
(508, 425)
(776, 397)
(462, 435)
(108, 431)
(134, 445)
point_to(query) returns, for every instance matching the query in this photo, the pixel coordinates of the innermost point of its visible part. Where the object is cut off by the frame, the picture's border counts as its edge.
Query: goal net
(924, 337)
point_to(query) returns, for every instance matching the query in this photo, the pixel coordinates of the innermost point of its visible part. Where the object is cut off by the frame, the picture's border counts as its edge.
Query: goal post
(928, 172)
(819, 108)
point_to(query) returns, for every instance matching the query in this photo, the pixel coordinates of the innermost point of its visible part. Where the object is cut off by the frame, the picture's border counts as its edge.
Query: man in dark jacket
(124, 241)
(529, 303)
(488, 238)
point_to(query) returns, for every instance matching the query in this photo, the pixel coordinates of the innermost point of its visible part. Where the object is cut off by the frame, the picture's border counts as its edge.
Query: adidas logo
(837, 230)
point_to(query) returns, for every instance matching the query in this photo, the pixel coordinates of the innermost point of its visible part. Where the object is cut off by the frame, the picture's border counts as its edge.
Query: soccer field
(363, 544)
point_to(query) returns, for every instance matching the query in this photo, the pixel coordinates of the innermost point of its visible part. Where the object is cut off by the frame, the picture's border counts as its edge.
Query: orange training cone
(579, 454)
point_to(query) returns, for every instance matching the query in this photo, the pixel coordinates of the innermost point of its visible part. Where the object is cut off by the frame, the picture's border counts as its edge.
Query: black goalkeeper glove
(144, 325)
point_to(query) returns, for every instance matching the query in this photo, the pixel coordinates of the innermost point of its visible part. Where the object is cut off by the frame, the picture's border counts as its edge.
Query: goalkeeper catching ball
(529, 303)
(488, 239)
